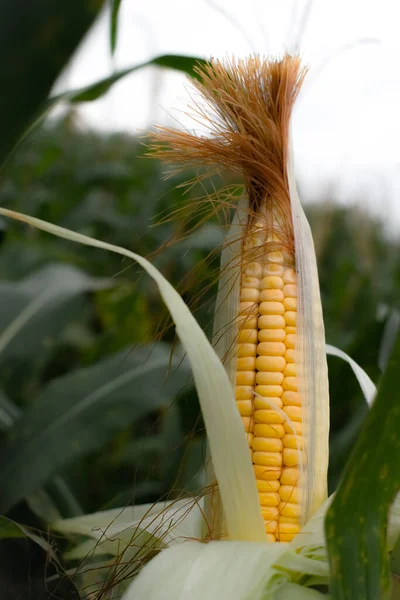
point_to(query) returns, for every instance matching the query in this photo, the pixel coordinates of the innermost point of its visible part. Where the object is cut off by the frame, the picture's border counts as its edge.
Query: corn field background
(92, 413)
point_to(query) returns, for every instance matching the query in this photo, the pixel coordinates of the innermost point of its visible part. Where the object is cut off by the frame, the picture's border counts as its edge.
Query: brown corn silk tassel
(246, 105)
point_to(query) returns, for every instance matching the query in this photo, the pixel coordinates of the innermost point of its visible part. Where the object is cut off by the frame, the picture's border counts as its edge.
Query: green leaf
(115, 6)
(356, 522)
(9, 412)
(44, 503)
(12, 529)
(77, 413)
(37, 38)
(94, 91)
(34, 311)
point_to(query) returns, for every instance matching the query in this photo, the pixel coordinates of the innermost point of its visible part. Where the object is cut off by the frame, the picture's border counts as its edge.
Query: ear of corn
(275, 342)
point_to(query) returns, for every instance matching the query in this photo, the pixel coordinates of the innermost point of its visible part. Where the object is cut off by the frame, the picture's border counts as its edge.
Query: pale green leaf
(367, 385)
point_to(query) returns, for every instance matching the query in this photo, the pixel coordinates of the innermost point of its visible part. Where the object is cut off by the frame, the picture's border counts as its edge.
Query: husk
(310, 358)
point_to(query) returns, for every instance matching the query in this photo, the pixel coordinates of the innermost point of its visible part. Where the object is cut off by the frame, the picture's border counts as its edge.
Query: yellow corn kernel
(249, 308)
(269, 513)
(265, 378)
(288, 528)
(289, 509)
(246, 350)
(253, 269)
(244, 392)
(272, 282)
(267, 416)
(269, 498)
(289, 355)
(290, 457)
(273, 269)
(245, 378)
(293, 441)
(248, 322)
(290, 290)
(271, 526)
(268, 486)
(271, 295)
(250, 437)
(293, 427)
(290, 303)
(271, 335)
(248, 336)
(290, 340)
(293, 412)
(290, 476)
(248, 424)
(269, 378)
(290, 370)
(271, 322)
(291, 398)
(289, 493)
(250, 282)
(270, 363)
(260, 444)
(267, 402)
(290, 317)
(245, 407)
(289, 276)
(271, 308)
(272, 431)
(290, 329)
(268, 459)
(267, 473)
(288, 520)
(246, 363)
(270, 391)
(271, 537)
(271, 349)
(274, 257)
(290, 384)
(250, 295)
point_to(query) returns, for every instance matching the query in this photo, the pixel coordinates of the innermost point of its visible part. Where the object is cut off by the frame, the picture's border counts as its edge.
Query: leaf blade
(78, 412)
(36, 40)
(115, 6)
(356, 522)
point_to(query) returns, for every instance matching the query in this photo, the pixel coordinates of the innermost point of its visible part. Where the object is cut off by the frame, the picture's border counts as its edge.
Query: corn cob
(266, 384)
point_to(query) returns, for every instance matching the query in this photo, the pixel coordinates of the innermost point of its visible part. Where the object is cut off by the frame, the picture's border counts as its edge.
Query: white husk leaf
(181, 521)
(367, 385)
(223, 570)
(225, 332)
(141, 528)
(228, 446)
(93, 524)
(311, 357)
(292, 591)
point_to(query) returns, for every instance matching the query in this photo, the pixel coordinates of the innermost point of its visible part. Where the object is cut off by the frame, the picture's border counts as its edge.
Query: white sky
(346, 123)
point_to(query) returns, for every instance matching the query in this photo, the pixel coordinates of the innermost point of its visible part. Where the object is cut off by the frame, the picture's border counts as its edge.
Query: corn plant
(256, 530)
